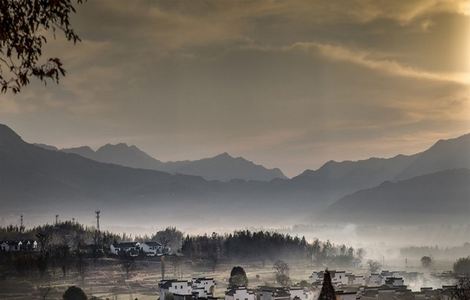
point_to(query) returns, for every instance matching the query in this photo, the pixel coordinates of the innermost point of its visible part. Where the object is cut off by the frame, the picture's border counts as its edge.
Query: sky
(288, 84)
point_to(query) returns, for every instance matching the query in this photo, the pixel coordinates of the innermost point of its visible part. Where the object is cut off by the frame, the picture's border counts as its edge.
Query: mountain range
(40, 179)
(221, 167)
(441, 194)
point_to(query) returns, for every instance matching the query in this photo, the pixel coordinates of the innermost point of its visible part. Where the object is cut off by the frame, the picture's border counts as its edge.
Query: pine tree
(327, 290)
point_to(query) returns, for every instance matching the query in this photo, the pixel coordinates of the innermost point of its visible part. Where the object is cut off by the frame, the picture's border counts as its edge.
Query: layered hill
(222, 167)
(43, 180)
(431, 196)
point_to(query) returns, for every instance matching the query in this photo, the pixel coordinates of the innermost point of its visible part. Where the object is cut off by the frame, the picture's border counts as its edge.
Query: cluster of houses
(203, 288)
(271, 293)
(136, 249)
(377, 286)
(128, 248)
(18, 246)
(195, 288)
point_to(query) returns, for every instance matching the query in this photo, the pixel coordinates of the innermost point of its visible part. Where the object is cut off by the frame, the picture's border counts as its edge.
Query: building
(273, 293)
(131, 248)
(240, 293)
(394, 281)
(356, 279)
(151, 248)
(299, 293)
(203, 287)
(375, 279)
(338, 278)
(179, 288)
(16, 246)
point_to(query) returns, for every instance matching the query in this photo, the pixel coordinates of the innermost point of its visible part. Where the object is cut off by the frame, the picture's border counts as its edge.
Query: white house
(29, 245)
(316, 277)
(10, 246)
(375, 280)
(175, 287)
(203, 287)
(299, 293)
(338, 278)
(356, 279)
(131, 248)
(240, 293)
(273, 293)
(4, 246)
(394, 281)
(151, 248)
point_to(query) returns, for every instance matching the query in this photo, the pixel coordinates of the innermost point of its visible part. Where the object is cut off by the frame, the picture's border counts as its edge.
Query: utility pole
(21, 223)
(162, 265)
(97, 233)
(56, 219)
(97, 220)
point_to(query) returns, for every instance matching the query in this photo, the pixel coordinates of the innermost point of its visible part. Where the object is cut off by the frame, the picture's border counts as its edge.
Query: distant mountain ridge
(444, 154)
(222, 167)
(39, 179)
(356, 175)
(425, 196)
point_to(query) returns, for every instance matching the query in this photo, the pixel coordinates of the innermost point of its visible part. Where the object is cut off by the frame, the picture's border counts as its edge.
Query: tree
(237, 277)
(170, 237)
(462, 266)
(127, 263)
(426, 261)
(327, 291)
(282, 272)
(374, 266)
(74, 293)
(24, 28)
(304, 284)
(462, 290)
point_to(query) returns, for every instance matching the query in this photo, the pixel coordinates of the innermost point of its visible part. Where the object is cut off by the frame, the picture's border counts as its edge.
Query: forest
(265, 245)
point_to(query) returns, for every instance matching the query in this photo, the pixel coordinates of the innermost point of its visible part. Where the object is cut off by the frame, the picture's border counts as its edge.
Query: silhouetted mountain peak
(8, 136)
(444, 154)
(224, 155)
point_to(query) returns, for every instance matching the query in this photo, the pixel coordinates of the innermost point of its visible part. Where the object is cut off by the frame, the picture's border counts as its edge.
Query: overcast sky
(288, 84)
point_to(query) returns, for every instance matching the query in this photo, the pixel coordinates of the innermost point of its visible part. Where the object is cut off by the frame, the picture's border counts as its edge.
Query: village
(352, 283)
(380, 286)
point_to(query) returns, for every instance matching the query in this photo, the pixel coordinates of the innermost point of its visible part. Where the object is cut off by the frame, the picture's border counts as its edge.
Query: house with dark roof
(203, 287)
(151, 248)
(181, 288)
(240, 293)
(273, 293)
(130, 248)
(19, 245)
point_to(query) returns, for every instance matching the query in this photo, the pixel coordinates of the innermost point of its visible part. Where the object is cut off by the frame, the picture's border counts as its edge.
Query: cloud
(370, 61)
(287, 83)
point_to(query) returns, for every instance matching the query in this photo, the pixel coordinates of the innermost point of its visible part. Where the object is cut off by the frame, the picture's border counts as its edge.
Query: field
(107, 278)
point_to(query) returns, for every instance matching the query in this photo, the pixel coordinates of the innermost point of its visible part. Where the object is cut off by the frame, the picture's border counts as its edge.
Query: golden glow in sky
(288, 84)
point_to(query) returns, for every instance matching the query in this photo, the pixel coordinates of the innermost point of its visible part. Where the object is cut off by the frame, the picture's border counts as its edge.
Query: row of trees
(254, 245)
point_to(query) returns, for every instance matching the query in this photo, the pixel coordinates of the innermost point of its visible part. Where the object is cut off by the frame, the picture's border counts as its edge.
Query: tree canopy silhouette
(24, 27)
(327, 291)
(74, 293)
(238, 277)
